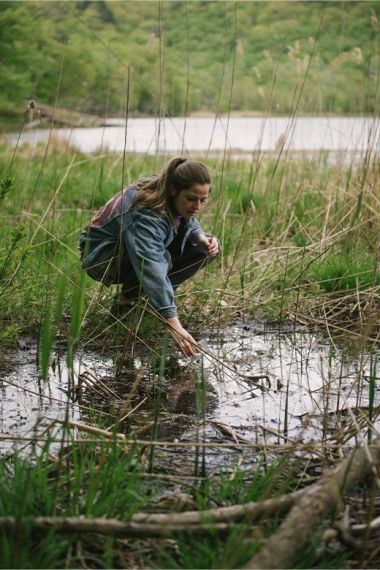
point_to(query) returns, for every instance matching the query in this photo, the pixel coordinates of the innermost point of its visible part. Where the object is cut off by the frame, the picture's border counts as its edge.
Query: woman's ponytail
(173, 164)
(169, 175)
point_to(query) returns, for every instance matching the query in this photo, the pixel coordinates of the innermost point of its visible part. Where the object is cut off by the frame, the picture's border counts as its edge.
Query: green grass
(84, 480)
(341, 272)
(282, 228)
(104, 481)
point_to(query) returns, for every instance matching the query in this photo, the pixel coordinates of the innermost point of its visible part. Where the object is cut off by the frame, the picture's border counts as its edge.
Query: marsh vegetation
(117, 452)
(299, 248)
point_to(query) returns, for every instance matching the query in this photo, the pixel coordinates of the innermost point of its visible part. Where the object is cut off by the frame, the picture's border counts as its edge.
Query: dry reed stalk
(371, 526)
(120, 322)
(221, 80)
(186, 110)
(337, 328)
(142, 429)
(52, 399)
(285, 437)
(90, 429)
(227, 430)
(123, 418)
(311, 447)
(91, 380)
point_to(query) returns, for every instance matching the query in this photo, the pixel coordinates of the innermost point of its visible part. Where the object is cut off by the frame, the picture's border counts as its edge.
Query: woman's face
(191, 200)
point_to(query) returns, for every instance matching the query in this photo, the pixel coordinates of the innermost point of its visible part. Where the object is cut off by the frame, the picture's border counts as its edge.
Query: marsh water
(254, 383)
(235, 135)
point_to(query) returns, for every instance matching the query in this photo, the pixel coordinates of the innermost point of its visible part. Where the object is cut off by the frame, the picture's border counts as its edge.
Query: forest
(178, 58)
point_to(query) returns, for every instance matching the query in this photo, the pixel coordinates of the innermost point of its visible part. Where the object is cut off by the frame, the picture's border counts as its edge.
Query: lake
(237, 135)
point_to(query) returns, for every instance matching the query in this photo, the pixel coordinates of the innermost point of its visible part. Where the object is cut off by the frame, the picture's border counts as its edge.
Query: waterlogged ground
(267, 386)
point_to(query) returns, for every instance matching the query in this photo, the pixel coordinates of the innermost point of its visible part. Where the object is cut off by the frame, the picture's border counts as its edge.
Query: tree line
(184, 57)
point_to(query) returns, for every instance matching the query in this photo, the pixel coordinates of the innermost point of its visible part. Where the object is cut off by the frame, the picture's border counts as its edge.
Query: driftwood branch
(251, 512)
(321, 500)
(107, 527)
(153, 525)
(38, 113)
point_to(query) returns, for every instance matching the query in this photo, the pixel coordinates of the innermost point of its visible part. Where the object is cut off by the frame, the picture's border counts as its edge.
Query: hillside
(184, 57)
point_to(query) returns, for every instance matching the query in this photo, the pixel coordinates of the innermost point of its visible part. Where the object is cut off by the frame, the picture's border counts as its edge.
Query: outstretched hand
(185, 341)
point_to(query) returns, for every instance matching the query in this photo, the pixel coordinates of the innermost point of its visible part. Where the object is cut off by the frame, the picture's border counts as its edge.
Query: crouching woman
(148, 239)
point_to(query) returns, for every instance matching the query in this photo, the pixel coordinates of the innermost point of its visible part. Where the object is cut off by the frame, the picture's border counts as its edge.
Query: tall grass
(50, 320)
(289, 241)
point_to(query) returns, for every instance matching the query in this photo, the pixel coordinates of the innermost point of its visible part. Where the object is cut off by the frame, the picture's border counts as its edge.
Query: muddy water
(253, 383)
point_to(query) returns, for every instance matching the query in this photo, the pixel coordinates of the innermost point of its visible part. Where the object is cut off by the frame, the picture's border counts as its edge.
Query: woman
(147, 238)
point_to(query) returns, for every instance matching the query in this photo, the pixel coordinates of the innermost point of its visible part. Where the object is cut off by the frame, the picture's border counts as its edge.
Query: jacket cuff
(168, 312)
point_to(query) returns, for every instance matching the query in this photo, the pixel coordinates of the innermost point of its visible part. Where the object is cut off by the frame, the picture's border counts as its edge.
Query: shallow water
(265, 385)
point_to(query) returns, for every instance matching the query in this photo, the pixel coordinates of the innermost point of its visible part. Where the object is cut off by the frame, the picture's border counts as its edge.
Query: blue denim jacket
(119, 237)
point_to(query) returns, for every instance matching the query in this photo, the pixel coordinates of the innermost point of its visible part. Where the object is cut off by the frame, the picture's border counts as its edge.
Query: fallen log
(321, 500)
(154, 525)
(251, 512)
(39, 113)
(106, 527)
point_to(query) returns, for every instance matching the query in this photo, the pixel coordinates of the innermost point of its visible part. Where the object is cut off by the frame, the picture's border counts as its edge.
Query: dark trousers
(182, 267)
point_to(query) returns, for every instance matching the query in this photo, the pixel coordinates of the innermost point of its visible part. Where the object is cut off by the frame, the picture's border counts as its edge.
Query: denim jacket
(120, 238)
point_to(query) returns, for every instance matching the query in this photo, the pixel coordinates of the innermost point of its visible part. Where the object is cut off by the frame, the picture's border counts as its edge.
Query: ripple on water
(251, 383)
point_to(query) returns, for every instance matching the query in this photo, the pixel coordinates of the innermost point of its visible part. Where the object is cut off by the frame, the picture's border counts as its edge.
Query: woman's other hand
(185, 341)
(209, 244)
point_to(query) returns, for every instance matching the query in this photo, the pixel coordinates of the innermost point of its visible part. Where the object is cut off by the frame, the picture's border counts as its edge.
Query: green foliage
(80, 482)
(13, 253)
(9, 335)
(82, 51)
(339, 272)
(5, 187)
(49, 325)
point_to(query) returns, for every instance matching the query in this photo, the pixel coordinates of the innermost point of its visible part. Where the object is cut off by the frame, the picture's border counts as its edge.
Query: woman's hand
(185, 341)
(209, 244)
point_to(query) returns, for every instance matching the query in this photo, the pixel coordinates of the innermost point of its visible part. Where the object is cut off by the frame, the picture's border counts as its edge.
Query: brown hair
(157, 192)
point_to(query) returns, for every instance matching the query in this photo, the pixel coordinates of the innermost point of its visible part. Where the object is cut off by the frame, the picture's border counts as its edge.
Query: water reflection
(266, 386)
